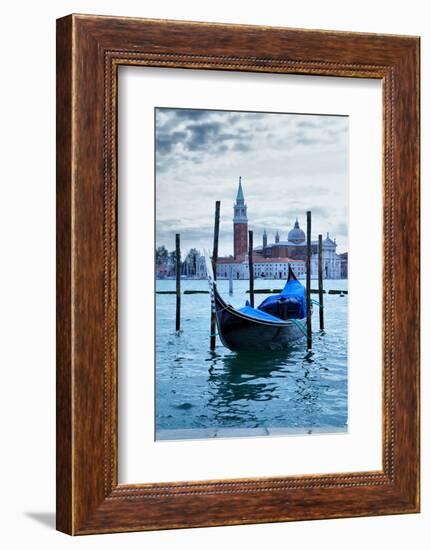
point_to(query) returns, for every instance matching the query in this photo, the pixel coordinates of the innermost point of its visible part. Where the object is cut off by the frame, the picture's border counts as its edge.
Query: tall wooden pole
(308, 286)
(320, 275)
(214, 263)
(230, 280)
(250, 267)
(178, 281)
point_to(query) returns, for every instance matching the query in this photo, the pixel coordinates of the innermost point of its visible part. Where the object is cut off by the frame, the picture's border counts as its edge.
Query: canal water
(202, 394)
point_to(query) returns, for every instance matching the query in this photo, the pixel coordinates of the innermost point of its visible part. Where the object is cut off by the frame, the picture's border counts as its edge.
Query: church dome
(296, 235)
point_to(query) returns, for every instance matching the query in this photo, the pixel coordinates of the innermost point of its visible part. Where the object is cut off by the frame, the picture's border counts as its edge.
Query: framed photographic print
(237, 274)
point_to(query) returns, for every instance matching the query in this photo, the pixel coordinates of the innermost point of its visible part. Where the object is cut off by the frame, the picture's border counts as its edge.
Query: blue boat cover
(259, 315)
(292, 289)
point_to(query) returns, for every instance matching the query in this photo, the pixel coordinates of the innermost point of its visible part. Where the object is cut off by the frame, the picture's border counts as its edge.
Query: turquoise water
(197, 389)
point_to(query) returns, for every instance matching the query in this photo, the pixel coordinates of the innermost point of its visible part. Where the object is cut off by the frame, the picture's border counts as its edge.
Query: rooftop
(240, 194)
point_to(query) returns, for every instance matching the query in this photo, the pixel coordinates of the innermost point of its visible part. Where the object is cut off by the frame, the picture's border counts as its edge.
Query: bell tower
(240, 224)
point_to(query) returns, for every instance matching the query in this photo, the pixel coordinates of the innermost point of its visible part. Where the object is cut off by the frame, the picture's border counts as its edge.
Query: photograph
(248, 205)
(213, 232)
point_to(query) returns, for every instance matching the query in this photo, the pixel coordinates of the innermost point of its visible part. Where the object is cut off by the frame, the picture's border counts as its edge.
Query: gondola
(259, 329)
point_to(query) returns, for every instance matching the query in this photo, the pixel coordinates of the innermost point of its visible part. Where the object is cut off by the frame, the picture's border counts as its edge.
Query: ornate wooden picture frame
(89, 51)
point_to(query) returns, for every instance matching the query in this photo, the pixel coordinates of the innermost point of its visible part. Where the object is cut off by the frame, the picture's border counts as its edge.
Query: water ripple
(197, 388)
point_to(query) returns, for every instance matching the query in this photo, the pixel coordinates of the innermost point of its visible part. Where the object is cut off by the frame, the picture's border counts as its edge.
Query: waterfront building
(263, 268)
(344, 257)
(192, 266)
(271, 260)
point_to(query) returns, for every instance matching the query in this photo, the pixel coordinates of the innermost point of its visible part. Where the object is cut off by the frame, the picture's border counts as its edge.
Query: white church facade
(272, 260)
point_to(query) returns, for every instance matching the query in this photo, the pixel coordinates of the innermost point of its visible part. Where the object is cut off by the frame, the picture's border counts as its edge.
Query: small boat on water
(277, 323)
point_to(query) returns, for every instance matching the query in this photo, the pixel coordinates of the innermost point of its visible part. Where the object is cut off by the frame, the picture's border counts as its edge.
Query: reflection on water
(197, 388)
(234, 381)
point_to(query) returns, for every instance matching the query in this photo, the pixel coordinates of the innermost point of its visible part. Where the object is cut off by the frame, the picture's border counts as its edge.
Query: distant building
(201, 270)
(344, 257)
(271, 260)
(192, 266)
(162, 270)
(264, 268)
(240, 224)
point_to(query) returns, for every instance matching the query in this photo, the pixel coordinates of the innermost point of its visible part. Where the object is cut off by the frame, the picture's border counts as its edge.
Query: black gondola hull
(240, 332)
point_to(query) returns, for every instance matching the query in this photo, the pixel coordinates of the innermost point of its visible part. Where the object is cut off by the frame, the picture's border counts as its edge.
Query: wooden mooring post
(230, 280)
(250, 267)
(214, 264)
(178, 281)
(320, 277)
(308, 285)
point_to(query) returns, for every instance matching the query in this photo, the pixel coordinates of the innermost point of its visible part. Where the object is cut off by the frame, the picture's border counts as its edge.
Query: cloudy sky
(289, 163)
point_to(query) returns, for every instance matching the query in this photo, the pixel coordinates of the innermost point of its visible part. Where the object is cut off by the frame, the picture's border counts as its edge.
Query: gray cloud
(309, 141)
(166, 141)
(242, 146)
(307, 124)
(202, 135)
(289, 163)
